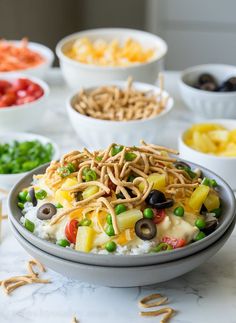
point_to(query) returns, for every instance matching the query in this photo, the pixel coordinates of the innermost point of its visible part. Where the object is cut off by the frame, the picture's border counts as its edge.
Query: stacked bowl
(124, 270)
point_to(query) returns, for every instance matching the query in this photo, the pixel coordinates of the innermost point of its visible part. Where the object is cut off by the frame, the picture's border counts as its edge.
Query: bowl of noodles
(122, 206)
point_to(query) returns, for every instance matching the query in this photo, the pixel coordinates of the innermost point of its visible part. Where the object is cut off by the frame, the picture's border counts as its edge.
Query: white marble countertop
(206, 295)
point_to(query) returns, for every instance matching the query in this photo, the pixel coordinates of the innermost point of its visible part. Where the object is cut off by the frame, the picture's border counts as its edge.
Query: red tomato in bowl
(71, 230)
(174, 242)
(8, 99)
(159, 215)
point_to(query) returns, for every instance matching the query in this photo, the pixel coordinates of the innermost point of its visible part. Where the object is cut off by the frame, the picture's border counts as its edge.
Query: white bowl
(123, 276)
(40, 70)
(26, 116)
(97, 133)
(204, 103)
(8, 180)
(222, 166)
(78, 74)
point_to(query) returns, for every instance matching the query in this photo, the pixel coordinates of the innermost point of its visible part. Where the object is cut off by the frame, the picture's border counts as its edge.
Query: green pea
(63, 243)
(40, 195)
(217, 212)
(29, 225)
(214, 183)
(200, 223)
(110, 230)
(148, 213)
(85, 223)
(201, 235)
(120, 208)
(90, 175)
(116, 150)
(179, 211)
(22, 196)
(71, 167)
(21, 205)
(162, 247)
(109, 219)
(59, 206)
(129, 156)
(110, 246)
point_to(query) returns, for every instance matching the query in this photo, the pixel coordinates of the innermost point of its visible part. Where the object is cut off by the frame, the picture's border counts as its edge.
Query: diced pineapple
(64, 197)
(84, 239)
(158, 181)
(198, 197)
(77, 214)
(125, 236)
(206, 127)
(127, 219)
(232, 135)
(219, 136)
(212, 201)
(100, 239)
(198, 143)
(89, 191)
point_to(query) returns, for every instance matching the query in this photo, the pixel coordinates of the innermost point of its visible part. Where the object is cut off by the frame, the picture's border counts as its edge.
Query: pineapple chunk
(100, 239)
(84, 239)
(219, 136)
(127, 219)
(198, 197)
(158, 181)
(212, 201)
(89, 191)
(64, 197)
(206, 127)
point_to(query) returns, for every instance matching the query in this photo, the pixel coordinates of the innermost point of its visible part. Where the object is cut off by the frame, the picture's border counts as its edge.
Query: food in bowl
(18, 92)
(120, 104)
(211, 138)
(19, 157)
(207, 82)
(109, 53)
(18, 57)
(121, 200)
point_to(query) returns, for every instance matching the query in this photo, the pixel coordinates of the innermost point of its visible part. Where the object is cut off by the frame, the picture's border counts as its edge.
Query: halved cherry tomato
(8, 99)
(159, 215)
(71, 230)
(21, 84)
(174, 242)
(4, 85)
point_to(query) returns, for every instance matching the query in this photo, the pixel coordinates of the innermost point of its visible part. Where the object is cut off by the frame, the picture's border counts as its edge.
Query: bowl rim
(199, 68)
(224, 225)
(122, 84)
(127, 31)
(40, 82)
(31, 136)
(204, 155)
(49, 58)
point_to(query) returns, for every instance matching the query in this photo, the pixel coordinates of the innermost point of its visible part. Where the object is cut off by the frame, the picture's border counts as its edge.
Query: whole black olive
(46, 211)
(206, 78)
(181, 165)
(155, 197)
(33, 197)
(211, 225)
(164, 205)
(145, 229)
(229, 85)
(210, 86)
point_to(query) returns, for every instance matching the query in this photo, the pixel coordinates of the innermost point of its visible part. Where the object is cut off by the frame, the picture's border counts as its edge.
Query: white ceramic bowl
(204, 103)
(97, 134)
(222, 166)
(123, 276)
(78, 74)
(40, 70)
(8, 180)
(26, 116)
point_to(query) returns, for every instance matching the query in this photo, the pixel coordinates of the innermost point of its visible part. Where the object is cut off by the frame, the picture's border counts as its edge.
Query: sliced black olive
(33, 197)
(164, 205)
(206, 78)
(210, 86)
(145, 229)
(181, 165)
(46, 211)
(211, 225)
(155, 197)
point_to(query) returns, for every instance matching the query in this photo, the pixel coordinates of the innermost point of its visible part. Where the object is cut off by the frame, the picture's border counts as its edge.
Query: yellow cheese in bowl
(211, 138)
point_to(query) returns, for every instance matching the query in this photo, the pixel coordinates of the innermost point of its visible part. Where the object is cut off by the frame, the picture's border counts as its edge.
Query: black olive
(155, 197)
(46, 211)
(164, 205)
(203, 209)
(33, 197)
(145, 229)
(229, 85)
(181, 165)
(206, 78)
(211, 225)
(210, 86)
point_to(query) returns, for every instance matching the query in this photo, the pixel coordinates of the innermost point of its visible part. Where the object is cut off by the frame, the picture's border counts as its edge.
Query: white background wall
(196, 31)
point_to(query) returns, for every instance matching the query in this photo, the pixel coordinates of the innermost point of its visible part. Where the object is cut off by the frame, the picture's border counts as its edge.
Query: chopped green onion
(91, 175)
(59, 206)
(129, 156)
(63, 243)
(209, 182)
(116, 149)
(29, 225)
(40, 195)
(162, 247)
(85, 223)
(21, 205)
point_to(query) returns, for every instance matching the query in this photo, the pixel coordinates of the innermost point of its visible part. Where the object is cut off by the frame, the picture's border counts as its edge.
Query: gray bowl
(228, 205)
(123, 276)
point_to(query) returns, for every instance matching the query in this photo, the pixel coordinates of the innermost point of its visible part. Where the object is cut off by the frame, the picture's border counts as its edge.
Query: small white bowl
(8, 180)
(40, 70)
(222, 166)
(78, 74)
(26, 116)
(97, 133)
(204, 103)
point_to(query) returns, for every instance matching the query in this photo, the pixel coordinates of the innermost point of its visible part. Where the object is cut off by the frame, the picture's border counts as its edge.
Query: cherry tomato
(174, 242)
(159, 215)
(24, 100)
(4, 85)
(71, 230)
(8, 99)
(21, 84)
